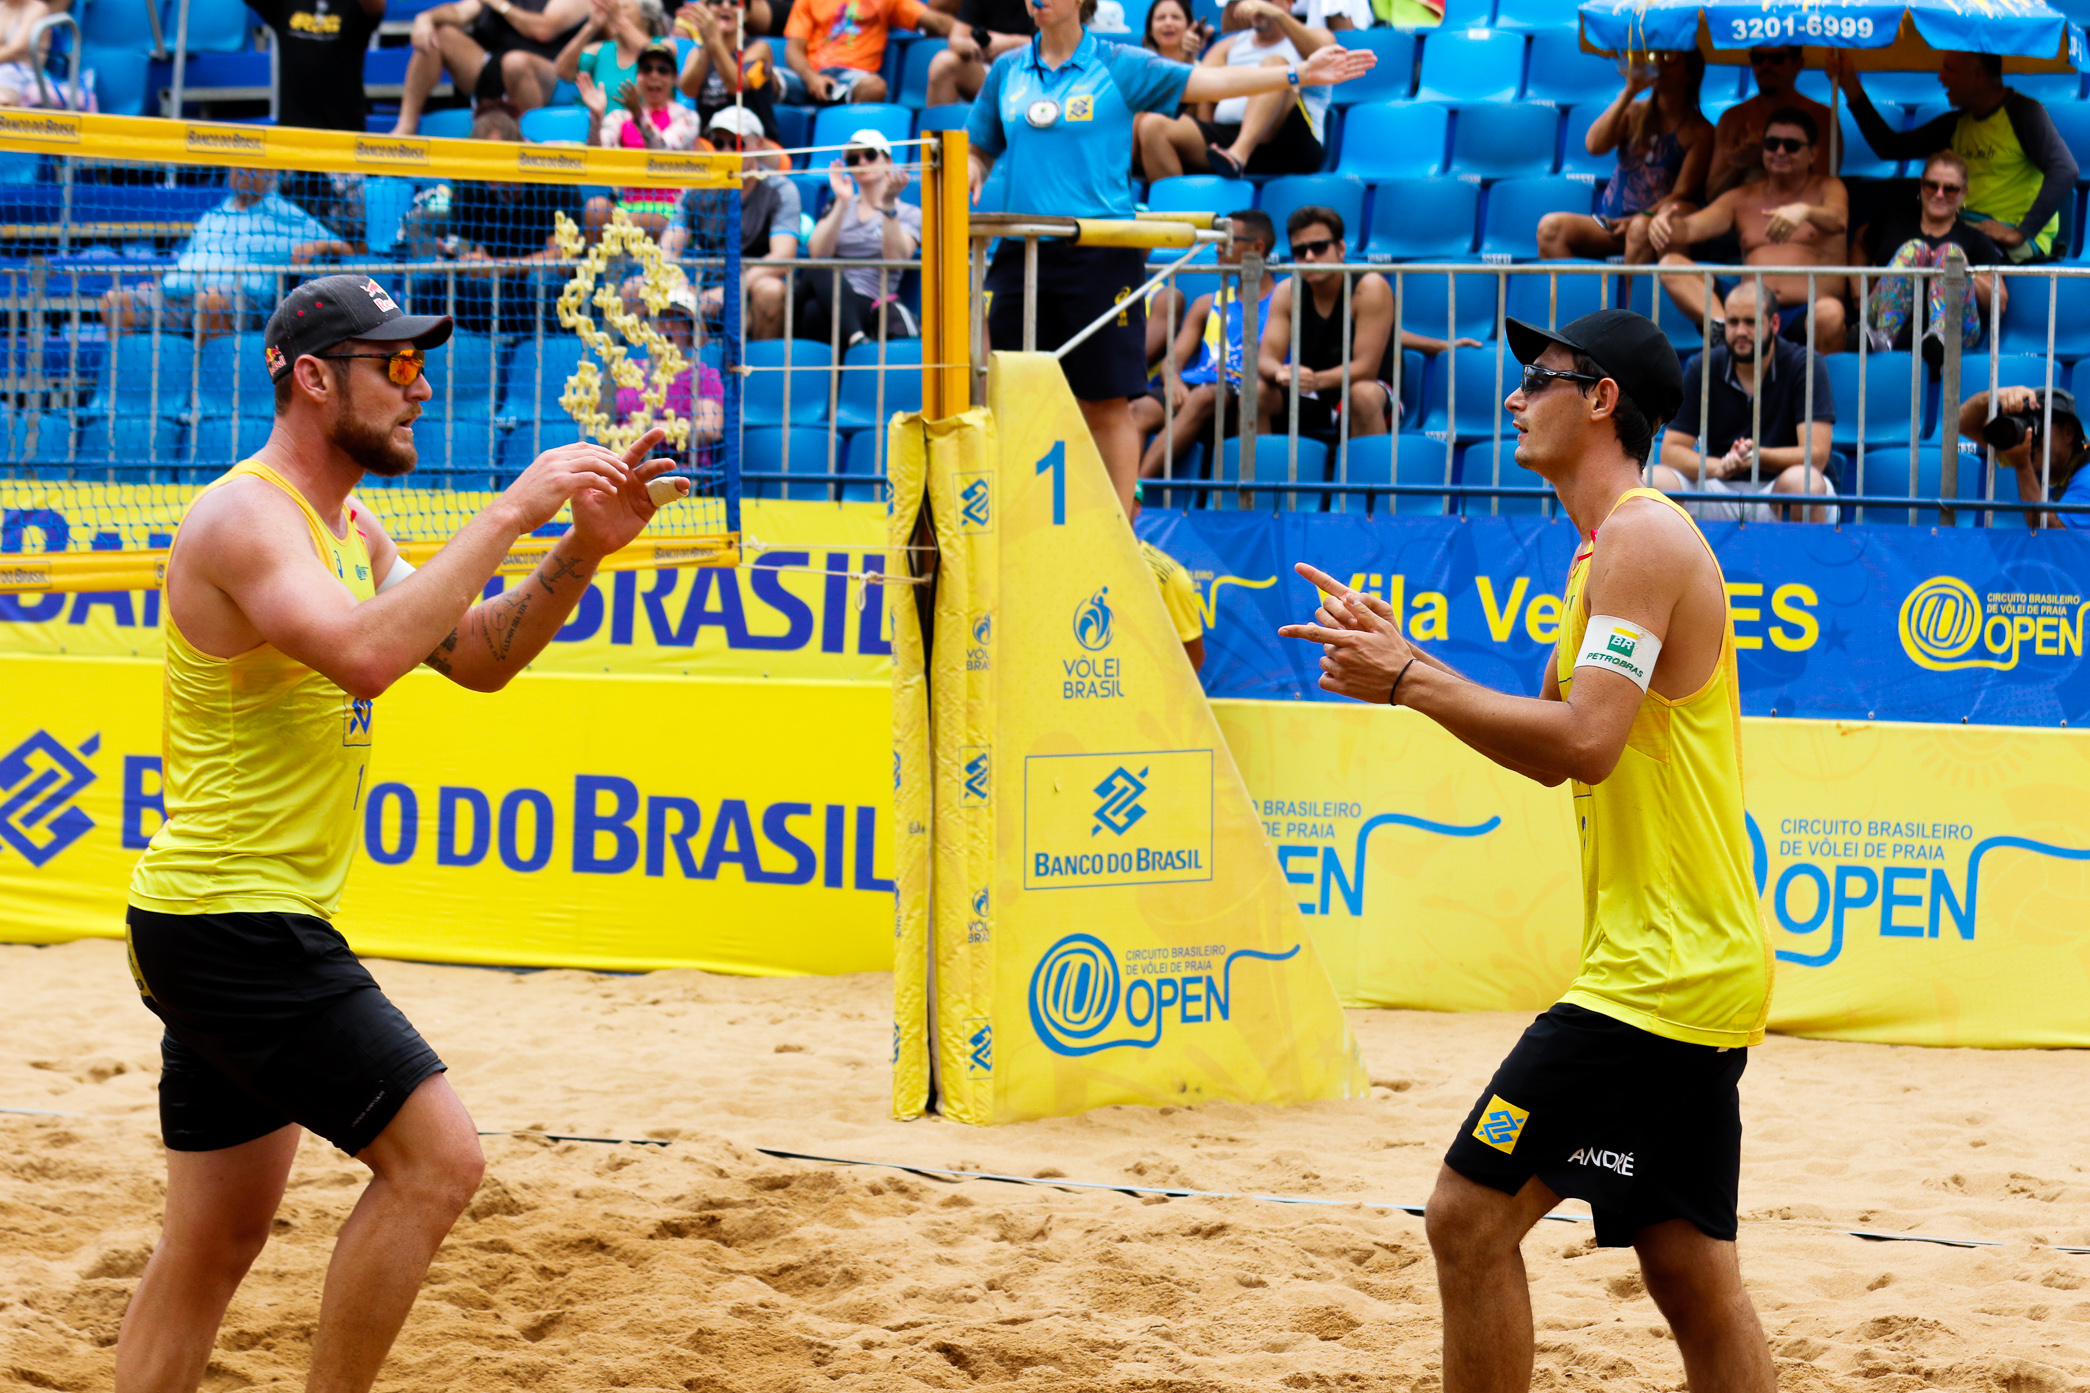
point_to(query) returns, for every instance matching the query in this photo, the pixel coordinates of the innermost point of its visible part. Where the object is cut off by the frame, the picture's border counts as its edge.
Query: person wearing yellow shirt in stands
(1178, 595)
(289, 613)
(1625, 1093)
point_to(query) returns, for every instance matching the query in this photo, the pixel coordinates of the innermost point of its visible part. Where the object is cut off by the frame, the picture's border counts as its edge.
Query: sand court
(707, 1265)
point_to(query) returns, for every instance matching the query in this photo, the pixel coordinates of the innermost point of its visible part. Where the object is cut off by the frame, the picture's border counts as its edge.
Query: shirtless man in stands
(1791, 217)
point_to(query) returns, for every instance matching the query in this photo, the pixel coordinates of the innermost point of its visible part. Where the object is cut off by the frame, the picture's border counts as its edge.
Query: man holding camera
(2016, 431)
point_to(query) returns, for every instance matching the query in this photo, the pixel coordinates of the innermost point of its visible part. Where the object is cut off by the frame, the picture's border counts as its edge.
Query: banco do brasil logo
(38, 780)
(1092, 621)
(1120, 806)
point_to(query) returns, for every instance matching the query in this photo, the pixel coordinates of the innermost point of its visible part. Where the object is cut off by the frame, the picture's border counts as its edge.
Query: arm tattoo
(444, 651)
(558, 568)
(501, 619)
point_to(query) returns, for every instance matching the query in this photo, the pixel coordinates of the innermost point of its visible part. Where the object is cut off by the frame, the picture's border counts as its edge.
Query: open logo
(39, 779)
(1120, 806)
(1092, 621)
(1077, 992)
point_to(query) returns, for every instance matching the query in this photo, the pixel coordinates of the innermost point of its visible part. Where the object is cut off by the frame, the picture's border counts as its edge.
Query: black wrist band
(1397, 681)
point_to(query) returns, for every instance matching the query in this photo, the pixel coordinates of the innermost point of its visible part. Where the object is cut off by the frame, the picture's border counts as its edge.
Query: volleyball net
(595, 293)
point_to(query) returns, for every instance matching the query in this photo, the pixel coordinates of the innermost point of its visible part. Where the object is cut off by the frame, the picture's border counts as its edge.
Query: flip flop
(1223, 164)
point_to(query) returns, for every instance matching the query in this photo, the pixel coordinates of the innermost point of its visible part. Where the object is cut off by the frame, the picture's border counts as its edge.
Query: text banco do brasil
(1137, 861)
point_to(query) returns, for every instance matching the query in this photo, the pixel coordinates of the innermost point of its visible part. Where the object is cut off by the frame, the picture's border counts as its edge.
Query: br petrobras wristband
(1617, 646)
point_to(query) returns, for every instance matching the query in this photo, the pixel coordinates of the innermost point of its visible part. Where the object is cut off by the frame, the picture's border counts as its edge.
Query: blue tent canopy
(2020, 28)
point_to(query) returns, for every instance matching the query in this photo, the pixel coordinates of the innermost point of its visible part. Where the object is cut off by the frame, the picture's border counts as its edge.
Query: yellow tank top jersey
(1671, 939)
(1178, 595)
(263, 764)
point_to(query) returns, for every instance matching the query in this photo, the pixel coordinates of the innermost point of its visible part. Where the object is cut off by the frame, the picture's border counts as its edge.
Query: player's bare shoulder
(234, 525)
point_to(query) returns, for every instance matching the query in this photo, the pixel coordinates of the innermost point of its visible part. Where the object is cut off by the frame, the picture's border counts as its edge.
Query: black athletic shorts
(1291, 149)
(1075, 285)
(1644, 1128)
(270, 1020)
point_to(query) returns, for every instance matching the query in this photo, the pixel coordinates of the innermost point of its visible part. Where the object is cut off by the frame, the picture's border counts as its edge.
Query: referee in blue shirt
(1060, 109)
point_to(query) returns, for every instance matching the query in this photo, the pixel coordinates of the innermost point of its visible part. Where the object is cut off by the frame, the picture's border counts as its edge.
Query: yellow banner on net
(1922, 884)
(1109, 923)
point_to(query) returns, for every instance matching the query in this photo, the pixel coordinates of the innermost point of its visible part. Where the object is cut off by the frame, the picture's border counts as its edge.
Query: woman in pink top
(650, 119)
(698, 393)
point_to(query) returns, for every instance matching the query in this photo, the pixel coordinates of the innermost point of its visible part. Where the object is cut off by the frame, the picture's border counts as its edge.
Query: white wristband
(401, 569)
(1615, 645)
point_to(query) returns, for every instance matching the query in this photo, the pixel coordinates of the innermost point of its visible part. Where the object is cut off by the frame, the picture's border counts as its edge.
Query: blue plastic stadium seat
(763, 452)
(229, 361)
(914, 72)
(1536, 14)
(1415, 371)
(2025, 315)
(794, 128)
(523, 399)
(1887, 417)
(1273, 462)
(857, 405)
(835, 124)
(1642, 295)
(1200, 193)
(525, 440)
(1477, 468)
(1391, 79)
(1470, 65)
(1504, 140)
(549, 123)
(128, 439)
(808, 363)
(1532, 298)
(951, 116)
(1425, 302)
(863, 453)
(1371, 462)
(451, 123)
(1422, 220)
(119, 75)
(386, 199)
(115, 23)
(1509, 224)
(1473, 393)
(1903, 89)
(127, 376)
(1467, 14)
(1858, 160)
(1561, 73)
(1393, 140)
(461, 375)
(1338, 191)
(1574, 143)
(215, 26)
(2072, 121)
(448, 450)
(223, 441)
(2052, 89)
(52, 433)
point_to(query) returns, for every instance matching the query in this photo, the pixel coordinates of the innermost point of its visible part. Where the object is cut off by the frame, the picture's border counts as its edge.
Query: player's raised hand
(1362, 649)
(565, 472)
(607, 522)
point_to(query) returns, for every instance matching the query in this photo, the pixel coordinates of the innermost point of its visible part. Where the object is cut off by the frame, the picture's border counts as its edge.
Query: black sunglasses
(402, 365)
(1934, 186)
(1772, 55)
(853, 158)
(1536, 378)
(664, 69)
(1314, 248)
(1791, 145)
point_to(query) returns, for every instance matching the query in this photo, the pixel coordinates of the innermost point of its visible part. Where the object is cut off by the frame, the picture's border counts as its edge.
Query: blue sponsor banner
(1979, 625)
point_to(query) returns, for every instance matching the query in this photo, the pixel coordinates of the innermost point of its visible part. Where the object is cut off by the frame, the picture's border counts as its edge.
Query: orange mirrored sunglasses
(403, 365)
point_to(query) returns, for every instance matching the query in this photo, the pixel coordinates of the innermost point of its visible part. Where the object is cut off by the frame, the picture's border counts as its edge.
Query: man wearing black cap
(1624, 1093)
(2049, 467)
(289, 611)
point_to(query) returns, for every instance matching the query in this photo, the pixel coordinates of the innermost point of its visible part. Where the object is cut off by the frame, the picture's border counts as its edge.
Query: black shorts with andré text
(270, 1020)
(1646, 1129)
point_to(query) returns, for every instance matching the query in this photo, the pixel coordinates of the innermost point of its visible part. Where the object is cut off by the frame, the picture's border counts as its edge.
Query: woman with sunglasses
(1920, 240)
(1664, 144)
(604, 54)
(650, 119)
(1060, 112)
(866, 221)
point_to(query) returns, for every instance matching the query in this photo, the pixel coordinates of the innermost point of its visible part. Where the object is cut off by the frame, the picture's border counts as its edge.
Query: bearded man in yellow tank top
(289, 613)
(1624, 1094)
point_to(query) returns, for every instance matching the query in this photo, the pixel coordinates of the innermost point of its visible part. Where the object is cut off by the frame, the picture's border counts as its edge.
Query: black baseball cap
(1627, 346)
(334, 309)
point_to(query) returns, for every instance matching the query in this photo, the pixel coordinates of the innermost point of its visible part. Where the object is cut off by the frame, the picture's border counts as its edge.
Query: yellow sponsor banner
(606, 822)
(1922, 884)
(804, 602)
(160, 141)
(1111, 923)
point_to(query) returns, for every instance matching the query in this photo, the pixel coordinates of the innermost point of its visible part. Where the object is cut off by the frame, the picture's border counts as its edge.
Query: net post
(730, 355)
(946, 276)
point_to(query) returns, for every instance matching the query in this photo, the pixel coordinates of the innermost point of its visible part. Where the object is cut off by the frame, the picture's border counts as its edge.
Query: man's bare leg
(1168, 147)
(1191, 419)
(426, 1165)
(1799, 479)
(219, 1207)
(1266, 112)
(1565, 235)
(1117, 440)
(1697, 1283)
(528, 79)
(457, 53)
(954, 79)
(1474, 1231)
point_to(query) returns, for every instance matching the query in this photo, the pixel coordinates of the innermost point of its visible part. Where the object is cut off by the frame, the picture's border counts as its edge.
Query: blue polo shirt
(1077, 165)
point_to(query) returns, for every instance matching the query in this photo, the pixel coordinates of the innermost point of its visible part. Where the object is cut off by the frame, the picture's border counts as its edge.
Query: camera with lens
(2009, 430)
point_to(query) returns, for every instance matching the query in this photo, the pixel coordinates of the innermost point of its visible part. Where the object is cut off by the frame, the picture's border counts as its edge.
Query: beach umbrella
(1885, 35)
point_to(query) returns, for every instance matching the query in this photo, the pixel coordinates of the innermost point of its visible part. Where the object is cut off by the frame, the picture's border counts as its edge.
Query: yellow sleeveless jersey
(1671, 939)
(1178, 595)
(263, 765)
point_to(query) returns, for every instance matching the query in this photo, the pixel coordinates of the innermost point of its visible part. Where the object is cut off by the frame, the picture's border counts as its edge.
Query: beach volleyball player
(1060, 111)
(289, 611)
(1623, 1094)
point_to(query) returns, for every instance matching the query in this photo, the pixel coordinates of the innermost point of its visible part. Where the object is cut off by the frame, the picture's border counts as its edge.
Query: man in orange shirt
(834, 48)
